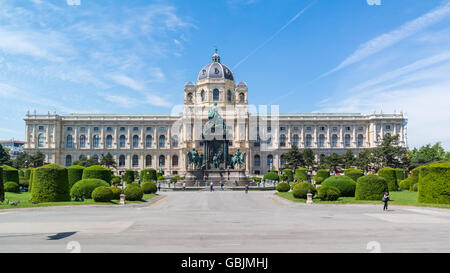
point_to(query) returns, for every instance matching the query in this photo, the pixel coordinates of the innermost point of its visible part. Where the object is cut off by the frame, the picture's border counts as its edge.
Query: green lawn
(403, 198)
(25, 203)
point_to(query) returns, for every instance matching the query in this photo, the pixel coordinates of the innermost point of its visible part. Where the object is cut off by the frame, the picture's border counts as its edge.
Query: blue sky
(304, 55)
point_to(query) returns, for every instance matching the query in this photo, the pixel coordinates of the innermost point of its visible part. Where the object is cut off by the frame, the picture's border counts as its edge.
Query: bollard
(122, 199)
(309, 198)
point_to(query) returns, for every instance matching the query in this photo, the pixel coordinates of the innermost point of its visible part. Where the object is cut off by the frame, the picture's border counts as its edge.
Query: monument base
(227, 177)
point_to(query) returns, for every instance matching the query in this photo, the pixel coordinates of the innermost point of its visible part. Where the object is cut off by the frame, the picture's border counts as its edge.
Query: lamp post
(122, 195)
(309, 194)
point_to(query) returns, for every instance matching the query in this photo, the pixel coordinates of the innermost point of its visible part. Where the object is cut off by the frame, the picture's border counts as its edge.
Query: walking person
(385, 199)
(184, 186)
(211, 186)
(159, 186)
(221, 186)
(246, 188)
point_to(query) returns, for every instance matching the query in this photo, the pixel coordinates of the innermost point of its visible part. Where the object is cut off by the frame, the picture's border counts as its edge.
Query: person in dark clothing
(212, 186)
(385, 199)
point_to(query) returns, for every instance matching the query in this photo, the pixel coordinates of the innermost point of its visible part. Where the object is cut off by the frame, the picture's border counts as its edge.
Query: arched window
(69, 143)
(109, 141)
(82, 141)
(229, 97)
(347, 141)
(216, 94)
(135, 160)
(282, 140)
(308, 141)
(121, 160)
(360, 140)
(148, 141)
(270, 161)
(148, 160)
(203, 95)
(175, 141)
(95, 158)
(175, 160)
(68, 160)
(295, 140)
(135, 141)
(122, 141)
(334, 140)
(41, 140)
(189, 97)
(321, 140)
(162, 161)
(241, 97)
(257, 161)
(96, 141)
(162, 141)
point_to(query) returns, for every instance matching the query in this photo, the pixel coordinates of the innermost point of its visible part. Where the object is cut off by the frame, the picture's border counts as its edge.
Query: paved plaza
(225, 222)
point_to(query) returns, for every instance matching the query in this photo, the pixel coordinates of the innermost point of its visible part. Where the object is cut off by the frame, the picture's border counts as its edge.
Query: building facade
(15, 147)
(161, 141)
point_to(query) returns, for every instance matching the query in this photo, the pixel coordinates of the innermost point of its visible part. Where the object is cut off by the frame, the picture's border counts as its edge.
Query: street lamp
(309, 194)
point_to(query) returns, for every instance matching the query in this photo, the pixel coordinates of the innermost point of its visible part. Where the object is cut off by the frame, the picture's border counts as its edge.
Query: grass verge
(25, 202)
(402, 198)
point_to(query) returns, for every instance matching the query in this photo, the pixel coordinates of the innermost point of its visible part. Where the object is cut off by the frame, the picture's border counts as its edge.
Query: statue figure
(235, 158)
(195, 159)
(242, 159)
(216, 161)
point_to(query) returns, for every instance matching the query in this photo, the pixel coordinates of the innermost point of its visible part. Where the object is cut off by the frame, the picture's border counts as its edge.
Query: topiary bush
(300, 190)
(271, 176)
(23, 181)
(30, 182)
(371, 187)
(2, 190)
(288, 174)
(102, 194)
(75, 174)
(160, 178)
(10, 174)
(321, 175)
(133, 192)
(328, 193)
(405, 184)
(354, 173)
(389, 175)
(50, 184)
(97, 172)
(345, 184)
(12, 187)
(283, 187)
(129, 176)
(85, 187)
(434, 183)
(148, 175)
(116, 192)
(400, 174)
(301, 174)
(115, 180)
(415, 187)
(149, 187)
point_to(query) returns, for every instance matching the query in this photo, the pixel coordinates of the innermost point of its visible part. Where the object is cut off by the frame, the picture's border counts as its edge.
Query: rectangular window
(322, 128)
(122, 128)
(347, 128)
(149, 128)
(41, 128)
(83, 129)
(69, 129)
(96, 129)
(360, 128)
(269, 129)
(388, 127)
(136, 129)
(109, 129)
(295, 128)
(334, 129)
(282, 128)
(308, 128)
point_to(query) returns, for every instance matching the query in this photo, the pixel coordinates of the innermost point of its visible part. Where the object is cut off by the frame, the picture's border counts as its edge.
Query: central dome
(215, 70)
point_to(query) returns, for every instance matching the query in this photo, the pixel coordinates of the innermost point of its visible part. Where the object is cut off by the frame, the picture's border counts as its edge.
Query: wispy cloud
(127, 81)
(388, 39)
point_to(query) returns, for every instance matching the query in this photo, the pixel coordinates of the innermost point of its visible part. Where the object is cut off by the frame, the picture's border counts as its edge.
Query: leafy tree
(4, 156)
(334, 162)
(364, 160)
(85, 162)
(37, 160)
(308, 157)
(108, 161)
(23, 160)
(389, 154)
(427, 154)
(348, 159)
(293, 158)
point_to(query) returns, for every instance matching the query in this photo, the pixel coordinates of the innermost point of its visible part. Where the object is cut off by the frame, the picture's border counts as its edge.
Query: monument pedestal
(227, 177)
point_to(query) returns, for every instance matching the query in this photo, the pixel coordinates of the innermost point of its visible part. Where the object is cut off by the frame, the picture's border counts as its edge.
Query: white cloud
(157, 101)
(388, 39)
(127, 82)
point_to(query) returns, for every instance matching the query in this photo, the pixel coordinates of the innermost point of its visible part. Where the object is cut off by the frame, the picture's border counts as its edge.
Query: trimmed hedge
(345, 184)
(354, 173)
(300, 190)
(289, 174)
(148, 175)
(400, 174)
(371, 187)
(133, 192)
(415, 187)
(85, 187)
(271, 176)
(149, 187)
(321, 175)
(434, 183)
(75, 174)
(115, 180)
(97, 172)
(301, 174)
(283, 187)
(2, 189)
(102, 194)
(389, 174)
(405, 184)
(328, 193)
(11, 186)
(10, 174)
(116, 192)
(129, 176)
(30, 182)
(50, 184)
